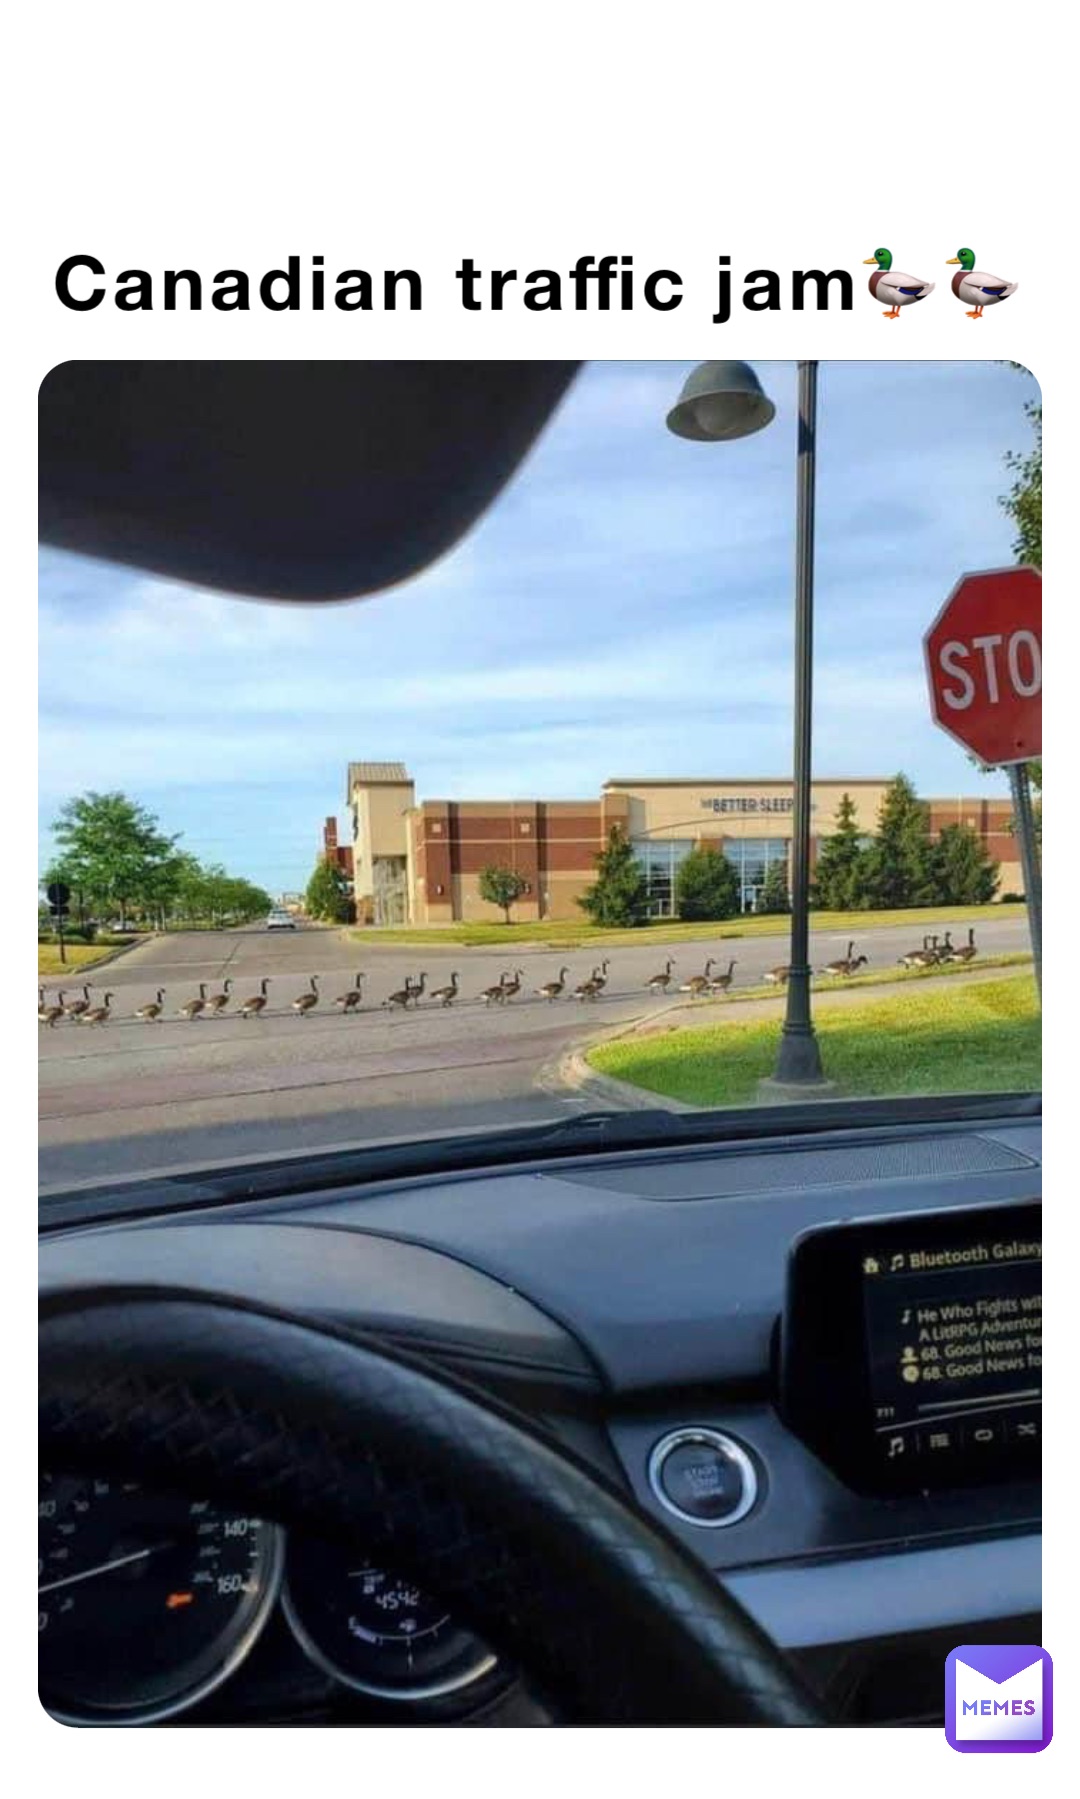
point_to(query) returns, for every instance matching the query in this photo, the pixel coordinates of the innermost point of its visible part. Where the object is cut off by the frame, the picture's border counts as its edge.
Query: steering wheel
(330, 1432)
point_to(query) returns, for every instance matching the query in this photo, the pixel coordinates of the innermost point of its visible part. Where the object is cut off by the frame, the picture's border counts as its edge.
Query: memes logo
(999, 1697)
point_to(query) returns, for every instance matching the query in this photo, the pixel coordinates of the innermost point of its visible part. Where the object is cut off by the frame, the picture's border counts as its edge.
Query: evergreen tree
(619, 895)
(707, 885)
(501, 887)
(898, 863)
(840, 876)
(962, 872)
(774, 895)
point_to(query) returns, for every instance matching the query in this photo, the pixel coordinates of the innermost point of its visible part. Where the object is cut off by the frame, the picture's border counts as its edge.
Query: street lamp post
(721, 401)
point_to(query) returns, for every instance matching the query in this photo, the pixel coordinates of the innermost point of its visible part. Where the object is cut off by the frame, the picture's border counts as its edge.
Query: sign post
(58, 896)
(1020, 782)
(984, 668)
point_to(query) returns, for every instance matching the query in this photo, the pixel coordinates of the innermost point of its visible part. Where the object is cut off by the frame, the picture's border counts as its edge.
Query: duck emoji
(977, 289)
(892, 289)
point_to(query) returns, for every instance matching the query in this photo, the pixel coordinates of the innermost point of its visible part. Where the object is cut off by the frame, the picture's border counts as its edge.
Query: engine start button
(703, 1476)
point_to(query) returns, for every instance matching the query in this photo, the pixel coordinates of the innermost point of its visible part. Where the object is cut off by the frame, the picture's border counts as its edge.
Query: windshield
(519, 839)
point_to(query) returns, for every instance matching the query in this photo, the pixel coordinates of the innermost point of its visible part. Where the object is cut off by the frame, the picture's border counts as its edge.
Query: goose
(495, 994)
(659, 983)
(553, 990)
(588, 989)
(842, 965)
(947, 950)
(192, 1007)
(446, 995)
(153, 1009)
(50, 1014)
(218, 1001)
(513, 987)
(847, 966)
(601, 978)
(976, 289)
(777, 976)
(400, 998)
(306, 1002)
(967, 951)
(697, 983)
(918, 958)
(75, 1006)
(891, 288)
(256, 1005)
(721, 982)
(96, 1014)
(350, 1001)
(416, 988)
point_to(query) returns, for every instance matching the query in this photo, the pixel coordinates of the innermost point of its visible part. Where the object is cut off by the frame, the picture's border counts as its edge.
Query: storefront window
(660, 861)
(753, 857)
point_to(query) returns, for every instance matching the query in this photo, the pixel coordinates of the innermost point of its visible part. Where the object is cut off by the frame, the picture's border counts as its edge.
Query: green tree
(327, 895)
(898, 862)
(1023, 502)
(707, 885)
(246, 900)
(840, 876)
(501, 887)
(962, 872)
(774, 896)
(209, 894)
(110, 848)
(620, 894)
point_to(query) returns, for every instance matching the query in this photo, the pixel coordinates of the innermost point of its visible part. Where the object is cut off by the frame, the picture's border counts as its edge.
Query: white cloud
(626, 606)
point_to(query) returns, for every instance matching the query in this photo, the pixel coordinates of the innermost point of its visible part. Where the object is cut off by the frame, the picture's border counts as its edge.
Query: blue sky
(624, 609)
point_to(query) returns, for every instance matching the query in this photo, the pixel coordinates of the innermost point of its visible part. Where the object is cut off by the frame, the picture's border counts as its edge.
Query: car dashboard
(635, 1306)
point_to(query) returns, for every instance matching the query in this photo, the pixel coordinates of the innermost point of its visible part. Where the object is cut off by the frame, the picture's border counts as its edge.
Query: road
(131, 1097)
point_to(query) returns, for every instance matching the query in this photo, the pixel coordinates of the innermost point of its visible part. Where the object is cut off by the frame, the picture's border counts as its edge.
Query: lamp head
(720, 401)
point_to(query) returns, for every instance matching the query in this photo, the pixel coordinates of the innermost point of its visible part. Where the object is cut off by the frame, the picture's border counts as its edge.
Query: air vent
(723, 1175)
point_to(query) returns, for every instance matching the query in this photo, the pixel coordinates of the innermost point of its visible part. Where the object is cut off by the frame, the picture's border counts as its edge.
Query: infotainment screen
(912, 1347)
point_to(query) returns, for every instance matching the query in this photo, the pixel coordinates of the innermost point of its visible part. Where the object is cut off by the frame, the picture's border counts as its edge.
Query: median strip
(979, 1035)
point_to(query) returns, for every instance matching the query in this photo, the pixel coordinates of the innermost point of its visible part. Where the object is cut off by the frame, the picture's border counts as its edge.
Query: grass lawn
(983, 1038)
(568, 934)
(79, 956)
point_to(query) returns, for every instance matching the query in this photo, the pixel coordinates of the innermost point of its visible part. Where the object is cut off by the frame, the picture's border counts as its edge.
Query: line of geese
(932, 952)
(507, 988)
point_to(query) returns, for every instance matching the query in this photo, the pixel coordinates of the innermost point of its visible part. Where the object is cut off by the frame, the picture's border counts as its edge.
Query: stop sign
(984, 664)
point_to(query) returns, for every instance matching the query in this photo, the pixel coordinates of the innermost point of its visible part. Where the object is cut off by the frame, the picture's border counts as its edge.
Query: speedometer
(146, 1600)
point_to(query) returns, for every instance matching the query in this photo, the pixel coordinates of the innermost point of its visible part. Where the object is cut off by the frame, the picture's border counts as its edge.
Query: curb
(570, 1070)
(573, 1072)
(113, 955)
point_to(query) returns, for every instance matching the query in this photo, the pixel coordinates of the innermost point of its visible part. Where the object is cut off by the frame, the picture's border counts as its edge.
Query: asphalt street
(131, 1097)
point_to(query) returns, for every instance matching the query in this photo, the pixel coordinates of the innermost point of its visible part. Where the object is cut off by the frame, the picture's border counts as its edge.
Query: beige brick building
(419, 862)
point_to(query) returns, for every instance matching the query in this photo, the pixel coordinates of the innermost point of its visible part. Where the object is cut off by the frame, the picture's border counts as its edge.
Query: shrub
(707, 886)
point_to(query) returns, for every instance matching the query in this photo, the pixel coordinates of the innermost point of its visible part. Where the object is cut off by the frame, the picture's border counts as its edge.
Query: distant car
(280, 921)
